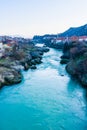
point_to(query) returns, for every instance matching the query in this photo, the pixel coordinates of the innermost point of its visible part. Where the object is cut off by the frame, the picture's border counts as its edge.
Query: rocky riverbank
(19, 57)
(75, 57)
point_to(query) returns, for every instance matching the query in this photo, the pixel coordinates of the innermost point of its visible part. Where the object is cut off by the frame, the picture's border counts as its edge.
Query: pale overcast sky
(30, 17)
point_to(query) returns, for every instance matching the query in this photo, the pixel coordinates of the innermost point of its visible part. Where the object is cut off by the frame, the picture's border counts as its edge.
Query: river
(46, 99)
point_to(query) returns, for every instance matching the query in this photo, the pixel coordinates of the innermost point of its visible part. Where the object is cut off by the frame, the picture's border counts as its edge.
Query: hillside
(75, 31)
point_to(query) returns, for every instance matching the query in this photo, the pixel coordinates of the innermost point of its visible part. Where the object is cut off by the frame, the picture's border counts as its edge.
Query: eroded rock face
(25, 57)
(78, 68)
(33, 67)
(77, 65)
(71, 68)
(9, 76)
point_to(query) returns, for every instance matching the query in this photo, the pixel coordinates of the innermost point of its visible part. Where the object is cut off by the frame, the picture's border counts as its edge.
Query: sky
(38, 17)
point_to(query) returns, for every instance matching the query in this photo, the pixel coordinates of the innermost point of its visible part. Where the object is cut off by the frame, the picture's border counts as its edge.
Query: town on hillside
(7, 43)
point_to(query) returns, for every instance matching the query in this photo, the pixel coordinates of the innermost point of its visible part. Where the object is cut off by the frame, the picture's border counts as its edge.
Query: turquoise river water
(47, 99)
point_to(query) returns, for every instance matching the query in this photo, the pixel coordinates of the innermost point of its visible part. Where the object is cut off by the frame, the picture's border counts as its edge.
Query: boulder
(26, 66)
(33, 67)
(9, 76)
(64, 61)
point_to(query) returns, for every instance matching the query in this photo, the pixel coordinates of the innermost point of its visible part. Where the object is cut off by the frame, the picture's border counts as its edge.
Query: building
(83, 38)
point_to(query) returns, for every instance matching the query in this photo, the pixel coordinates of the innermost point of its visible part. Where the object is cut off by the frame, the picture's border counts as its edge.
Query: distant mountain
(75, 31)
(44, 36)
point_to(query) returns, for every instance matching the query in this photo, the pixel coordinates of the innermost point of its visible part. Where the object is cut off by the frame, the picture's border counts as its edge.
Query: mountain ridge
(75, 31)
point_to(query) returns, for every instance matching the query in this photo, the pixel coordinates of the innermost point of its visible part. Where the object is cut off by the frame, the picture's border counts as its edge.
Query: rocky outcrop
(9, 76)
(77, 61)
(66, 53)
(78, 70)
(26, 56)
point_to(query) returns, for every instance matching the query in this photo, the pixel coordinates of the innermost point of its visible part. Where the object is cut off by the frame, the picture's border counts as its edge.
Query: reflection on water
(47, 99)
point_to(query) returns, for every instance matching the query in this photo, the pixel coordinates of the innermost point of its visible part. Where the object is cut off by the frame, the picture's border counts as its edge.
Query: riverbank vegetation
(75, 57)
